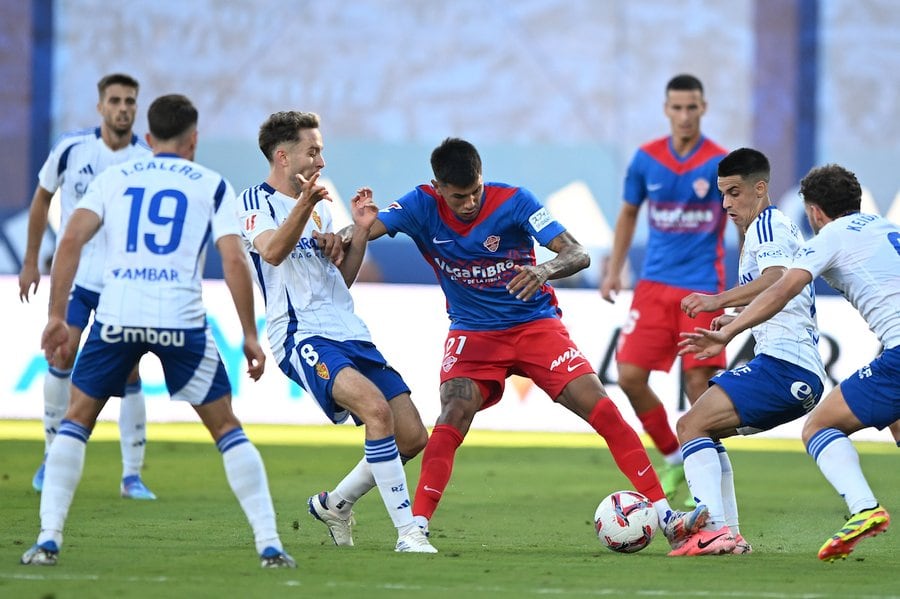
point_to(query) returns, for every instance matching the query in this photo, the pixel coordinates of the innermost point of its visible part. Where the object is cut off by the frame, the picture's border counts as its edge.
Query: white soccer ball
(626, 521)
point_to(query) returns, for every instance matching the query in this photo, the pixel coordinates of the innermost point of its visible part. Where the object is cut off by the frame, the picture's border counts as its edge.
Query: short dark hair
(283, 127)
(116, 79)
(747, 163)
(170, 116)
(685, 83)
(833, 188)
(456, 162)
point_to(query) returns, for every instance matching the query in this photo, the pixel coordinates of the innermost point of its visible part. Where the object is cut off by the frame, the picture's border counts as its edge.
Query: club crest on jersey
(318, 220)
(701, 187)
(250, 223)
(492, 243)
(448, 363)
(322, 371)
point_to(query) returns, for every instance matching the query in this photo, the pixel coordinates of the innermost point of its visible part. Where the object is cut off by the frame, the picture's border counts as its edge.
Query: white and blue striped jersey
(73, 163)
(306, 294)
(772, 240)
(859, 255)
(158, 215)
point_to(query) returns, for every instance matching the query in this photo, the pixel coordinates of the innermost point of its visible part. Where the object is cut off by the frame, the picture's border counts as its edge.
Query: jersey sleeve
(817, 255)
(50, 175)
(778, 250)
(223, 220)
(253, 214)
(404, 215)
(535, 218)
(635, 191)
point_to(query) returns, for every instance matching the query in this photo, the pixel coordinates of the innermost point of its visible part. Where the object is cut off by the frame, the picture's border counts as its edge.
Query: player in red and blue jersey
(504, 319)
(676, 177)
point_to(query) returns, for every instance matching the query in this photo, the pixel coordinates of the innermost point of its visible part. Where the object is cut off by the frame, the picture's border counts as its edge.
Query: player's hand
(29, 279)
(310, 190)
(695, 303)
(720, 321)
(527, 282)
(331, 246)
(55, 341)
(256, 359)
(363, 209)
(703, 343)
(611, 286)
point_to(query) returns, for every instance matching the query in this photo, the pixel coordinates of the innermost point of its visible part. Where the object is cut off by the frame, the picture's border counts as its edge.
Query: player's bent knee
(684, 429)
(378, 412)
(810, 428)
(412, 443)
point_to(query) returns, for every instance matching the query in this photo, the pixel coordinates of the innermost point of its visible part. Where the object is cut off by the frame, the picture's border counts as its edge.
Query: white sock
(132, 430)
(384, 459)
(839, 462)
(357, 483)
(729, 498)
(65, 463)
(56, 402)
(704, 477)
(246, 474)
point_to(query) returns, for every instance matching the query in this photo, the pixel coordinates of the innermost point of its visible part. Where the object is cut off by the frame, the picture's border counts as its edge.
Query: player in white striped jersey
(318, 340)
(73, 163)
(158, 214)
(859, 255)
(782, 383)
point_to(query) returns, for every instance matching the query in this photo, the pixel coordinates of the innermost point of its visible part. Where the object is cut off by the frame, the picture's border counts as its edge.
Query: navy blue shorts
(873, 391)
(81, 303)
(767, 392)
(315, 362)
(193, 369)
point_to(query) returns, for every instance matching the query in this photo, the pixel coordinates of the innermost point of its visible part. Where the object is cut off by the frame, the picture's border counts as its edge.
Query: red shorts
(650, 336)
(540, 350)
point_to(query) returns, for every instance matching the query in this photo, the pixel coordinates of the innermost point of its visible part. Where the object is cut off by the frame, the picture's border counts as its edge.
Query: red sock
(437, 464)
(626, 448)
(656, 423)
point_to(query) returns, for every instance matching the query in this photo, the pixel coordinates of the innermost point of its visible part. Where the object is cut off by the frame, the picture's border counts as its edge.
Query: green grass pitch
(515, 522)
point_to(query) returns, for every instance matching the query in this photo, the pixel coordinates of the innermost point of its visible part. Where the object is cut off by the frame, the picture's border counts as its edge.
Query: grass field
(515, 522)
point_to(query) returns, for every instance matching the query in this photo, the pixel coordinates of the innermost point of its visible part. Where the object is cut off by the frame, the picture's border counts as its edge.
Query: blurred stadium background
(556, 94)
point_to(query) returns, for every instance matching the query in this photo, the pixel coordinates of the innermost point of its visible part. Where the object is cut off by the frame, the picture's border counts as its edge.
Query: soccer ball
(626, 521)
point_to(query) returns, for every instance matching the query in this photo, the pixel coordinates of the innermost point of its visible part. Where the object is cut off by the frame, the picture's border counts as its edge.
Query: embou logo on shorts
(111, 333)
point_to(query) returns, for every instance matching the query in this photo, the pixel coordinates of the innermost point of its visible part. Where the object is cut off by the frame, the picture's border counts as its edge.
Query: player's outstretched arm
(275, 246)
(741, 295)
(237, 276)
(346, 234)
(83, 224)
(571, 257)
(30, 275)
(623, 235)
(365, 215)
(705, 343)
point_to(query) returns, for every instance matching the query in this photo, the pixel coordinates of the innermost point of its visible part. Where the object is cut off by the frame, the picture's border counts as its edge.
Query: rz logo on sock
(398, 488)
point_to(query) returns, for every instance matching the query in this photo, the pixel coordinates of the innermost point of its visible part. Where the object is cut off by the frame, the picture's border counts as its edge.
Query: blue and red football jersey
(685, 247)
(473, 260)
